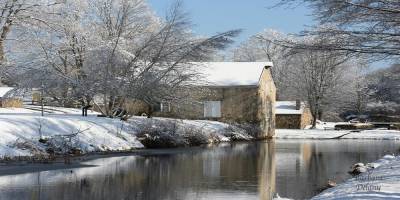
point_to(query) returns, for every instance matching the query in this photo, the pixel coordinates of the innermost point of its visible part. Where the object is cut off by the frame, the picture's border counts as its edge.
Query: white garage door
(212, 109)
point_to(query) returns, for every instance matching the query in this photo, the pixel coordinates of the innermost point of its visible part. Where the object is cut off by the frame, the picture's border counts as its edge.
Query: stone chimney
(298, 104)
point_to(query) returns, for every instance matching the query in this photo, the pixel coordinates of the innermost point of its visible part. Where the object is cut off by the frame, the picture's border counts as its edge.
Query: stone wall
(306, 118)
(288, 121)
(190, 103)
(267, 99)
(238, 104)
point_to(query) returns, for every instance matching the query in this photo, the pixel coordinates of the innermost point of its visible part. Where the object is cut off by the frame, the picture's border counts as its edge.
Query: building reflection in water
(267, 171)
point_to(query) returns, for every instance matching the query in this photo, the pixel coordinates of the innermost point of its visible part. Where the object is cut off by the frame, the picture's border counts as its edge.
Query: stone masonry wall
(267, 99)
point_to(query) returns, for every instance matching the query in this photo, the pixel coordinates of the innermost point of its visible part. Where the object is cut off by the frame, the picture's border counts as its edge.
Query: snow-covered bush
(196, 137)
(160, 134)
(242, 132)
(172, 133)
(63, 145)
(169, 133)
(23, 144)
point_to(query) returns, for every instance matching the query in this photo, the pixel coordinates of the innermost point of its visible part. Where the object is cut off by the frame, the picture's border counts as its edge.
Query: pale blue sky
(253, 16)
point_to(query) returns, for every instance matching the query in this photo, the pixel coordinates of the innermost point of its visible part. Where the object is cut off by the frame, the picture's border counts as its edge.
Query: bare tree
(359, 26)
(51, 55)
(152, 68)
(264, 46)
(330, 81)
(358, 91)
(19, 12)
(315, 75)
(384, 87)
(116, 50)
(319, 75)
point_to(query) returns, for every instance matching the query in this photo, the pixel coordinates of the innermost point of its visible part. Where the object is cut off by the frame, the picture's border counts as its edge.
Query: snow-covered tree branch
(359, 26)
(113, 50)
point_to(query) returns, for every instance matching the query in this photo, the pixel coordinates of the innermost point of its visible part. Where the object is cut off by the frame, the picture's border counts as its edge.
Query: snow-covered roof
(288, 108)
(233, 73)
(5, 90)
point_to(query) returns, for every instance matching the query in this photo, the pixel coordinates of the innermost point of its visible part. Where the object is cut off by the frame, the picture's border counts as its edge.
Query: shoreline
(317, 134)
(26, 166)
(30, 137)
(21, 167)
(380, 181)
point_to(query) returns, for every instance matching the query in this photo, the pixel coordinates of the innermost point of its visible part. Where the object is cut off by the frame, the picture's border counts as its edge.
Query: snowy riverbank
(333, 134)
(22, 129)
(380, 182)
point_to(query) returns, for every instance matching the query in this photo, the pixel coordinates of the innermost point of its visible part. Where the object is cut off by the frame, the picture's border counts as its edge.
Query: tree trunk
(314, 120)
(1, 51)
(1, 60)
(314, 113)
(4, 32)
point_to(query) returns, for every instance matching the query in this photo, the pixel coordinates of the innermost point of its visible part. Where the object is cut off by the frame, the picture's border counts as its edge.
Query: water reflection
(303, 168)
(293, 168)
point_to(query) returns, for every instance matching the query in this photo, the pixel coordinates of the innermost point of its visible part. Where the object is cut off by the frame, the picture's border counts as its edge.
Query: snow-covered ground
(21, 129)
(380, 182)
(326, 125)
(333, 134)
(325, 130)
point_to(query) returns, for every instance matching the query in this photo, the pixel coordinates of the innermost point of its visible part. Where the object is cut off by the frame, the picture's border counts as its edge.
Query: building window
(165, 107)
(162, 107)
(212, 109)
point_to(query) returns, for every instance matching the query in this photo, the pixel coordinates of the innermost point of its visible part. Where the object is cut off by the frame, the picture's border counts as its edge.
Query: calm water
(292, 168)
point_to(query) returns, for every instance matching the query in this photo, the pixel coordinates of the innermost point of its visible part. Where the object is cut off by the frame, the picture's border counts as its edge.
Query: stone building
(241, 92)
(292, 115)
